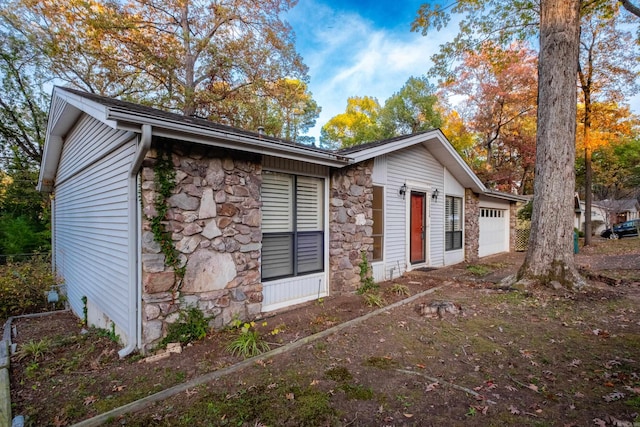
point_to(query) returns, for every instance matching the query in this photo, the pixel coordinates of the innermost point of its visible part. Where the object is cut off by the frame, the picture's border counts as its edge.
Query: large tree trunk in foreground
(550, 254)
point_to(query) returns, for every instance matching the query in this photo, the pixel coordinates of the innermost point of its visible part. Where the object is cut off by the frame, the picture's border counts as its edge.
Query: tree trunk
(550, 254)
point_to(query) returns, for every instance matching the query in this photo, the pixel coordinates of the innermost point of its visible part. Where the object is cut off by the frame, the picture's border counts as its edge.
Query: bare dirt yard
(539, 358)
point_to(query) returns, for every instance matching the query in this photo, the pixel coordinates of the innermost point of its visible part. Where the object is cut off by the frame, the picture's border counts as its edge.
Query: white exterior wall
(414, 165)
(90, 239)
(453, 188)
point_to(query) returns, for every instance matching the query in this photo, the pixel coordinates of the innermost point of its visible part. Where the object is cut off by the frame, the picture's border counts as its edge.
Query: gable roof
(620, 205)
(67, 105)
(434, 141)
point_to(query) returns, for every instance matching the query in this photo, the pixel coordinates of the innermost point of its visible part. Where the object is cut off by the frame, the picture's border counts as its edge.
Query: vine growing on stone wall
(165, 182)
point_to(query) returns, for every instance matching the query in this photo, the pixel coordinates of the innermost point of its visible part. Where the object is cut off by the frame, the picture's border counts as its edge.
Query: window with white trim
(292, 225)
(453, 223)
(377, 207)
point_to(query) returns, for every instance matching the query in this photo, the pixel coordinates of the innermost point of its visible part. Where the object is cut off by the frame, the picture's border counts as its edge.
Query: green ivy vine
(165, 182)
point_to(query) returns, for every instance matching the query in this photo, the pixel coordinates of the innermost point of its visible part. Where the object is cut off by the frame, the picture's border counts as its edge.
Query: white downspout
(134, 328)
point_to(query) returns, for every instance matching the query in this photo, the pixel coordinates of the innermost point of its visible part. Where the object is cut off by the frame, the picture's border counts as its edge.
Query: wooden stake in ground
(550, 254)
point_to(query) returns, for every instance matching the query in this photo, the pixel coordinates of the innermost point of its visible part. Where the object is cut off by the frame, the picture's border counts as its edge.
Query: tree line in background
(235, 63)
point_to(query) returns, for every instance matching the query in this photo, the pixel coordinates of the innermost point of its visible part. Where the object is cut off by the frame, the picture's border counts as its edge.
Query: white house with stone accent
(259, 223)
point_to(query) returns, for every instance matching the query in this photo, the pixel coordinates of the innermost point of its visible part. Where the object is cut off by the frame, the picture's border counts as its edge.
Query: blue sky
(358, 48)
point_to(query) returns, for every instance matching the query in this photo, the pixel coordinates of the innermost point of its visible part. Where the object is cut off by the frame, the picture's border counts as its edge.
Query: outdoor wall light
(434, 195)
(403, 190)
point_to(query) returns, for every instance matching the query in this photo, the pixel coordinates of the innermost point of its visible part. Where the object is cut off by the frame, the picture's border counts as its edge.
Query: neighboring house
(621, 210)
(260, 223)
(599, 216)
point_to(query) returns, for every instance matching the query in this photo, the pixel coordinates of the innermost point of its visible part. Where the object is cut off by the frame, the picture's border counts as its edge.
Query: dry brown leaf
(89, 400)
(532, 387)
(431, 387)
(408, 415)
(290, 396)
(514, 410)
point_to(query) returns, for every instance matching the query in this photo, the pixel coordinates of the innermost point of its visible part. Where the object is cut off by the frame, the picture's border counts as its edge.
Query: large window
(378, 222)
(292, 225)
(453, 223)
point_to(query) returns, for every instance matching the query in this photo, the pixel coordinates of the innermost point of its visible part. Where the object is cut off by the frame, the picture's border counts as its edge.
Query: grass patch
(338, 374)
(381, 362)
(356, 391)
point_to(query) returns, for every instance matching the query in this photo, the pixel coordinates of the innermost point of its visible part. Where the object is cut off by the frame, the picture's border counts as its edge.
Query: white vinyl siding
(91, 219)
(411, 164)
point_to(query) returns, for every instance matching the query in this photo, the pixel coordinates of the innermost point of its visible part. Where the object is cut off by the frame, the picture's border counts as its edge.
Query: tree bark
(550, 254)
(631, 7)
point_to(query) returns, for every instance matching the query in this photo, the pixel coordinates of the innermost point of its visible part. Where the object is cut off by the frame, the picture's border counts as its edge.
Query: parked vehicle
(625, 229)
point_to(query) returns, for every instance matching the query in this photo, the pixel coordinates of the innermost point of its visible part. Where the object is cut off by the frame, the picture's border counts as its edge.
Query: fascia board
(391, 147)
(220, 138)
(505, 196)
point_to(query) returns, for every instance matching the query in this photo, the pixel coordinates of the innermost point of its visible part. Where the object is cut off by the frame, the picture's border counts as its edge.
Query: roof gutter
(135, 327)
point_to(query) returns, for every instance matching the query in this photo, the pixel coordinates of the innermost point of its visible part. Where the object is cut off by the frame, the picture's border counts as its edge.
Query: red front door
(417, 228)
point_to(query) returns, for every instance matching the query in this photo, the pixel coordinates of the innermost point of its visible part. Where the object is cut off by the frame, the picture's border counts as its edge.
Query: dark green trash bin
(575, 242)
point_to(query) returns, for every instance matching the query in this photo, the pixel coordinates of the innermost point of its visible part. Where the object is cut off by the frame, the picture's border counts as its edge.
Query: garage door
(494, 231)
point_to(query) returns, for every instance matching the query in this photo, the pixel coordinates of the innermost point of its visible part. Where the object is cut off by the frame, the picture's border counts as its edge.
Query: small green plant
(404, 400)
(471, 412)
(192, 325)
(85, 311)
(110, 333)
(31, 369)
(34, 350)
(373, 299)
(248, 343)
(366, 279)
(400, 290)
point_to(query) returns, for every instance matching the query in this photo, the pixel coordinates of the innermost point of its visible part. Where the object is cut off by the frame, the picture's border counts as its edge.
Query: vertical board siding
(91, 211)
(414, 164)
(294, 166)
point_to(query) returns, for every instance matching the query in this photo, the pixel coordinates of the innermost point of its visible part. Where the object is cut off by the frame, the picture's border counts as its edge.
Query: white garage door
(494, 231)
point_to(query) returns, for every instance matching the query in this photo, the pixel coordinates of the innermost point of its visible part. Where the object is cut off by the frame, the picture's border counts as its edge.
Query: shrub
(191, 326)
(24, 286)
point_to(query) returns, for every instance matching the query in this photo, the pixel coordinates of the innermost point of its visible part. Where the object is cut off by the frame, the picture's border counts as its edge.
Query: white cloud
(348, 56)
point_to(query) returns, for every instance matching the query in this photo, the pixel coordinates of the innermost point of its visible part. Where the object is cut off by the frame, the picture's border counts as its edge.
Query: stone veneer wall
(350, 224)
(471, 225)
(214, 220)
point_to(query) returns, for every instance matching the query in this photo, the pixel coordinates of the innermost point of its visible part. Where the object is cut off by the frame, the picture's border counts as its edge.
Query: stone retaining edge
(5, 360)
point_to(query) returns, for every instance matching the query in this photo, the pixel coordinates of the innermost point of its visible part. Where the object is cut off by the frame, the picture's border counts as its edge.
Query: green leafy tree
(23, 103)
(213, 59)
(357, 125)
(412, 109)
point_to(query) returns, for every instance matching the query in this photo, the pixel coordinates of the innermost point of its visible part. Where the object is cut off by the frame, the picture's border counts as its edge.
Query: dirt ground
(507, 358)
